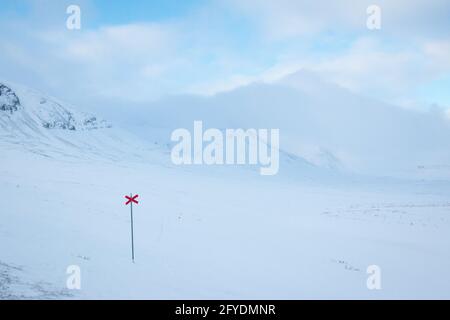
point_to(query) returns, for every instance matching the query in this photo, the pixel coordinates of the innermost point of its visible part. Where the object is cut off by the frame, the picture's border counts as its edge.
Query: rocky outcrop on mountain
(45, 111)
(9, 101)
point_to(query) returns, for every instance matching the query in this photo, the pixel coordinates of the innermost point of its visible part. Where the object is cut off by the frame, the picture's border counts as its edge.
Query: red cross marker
(131, 199)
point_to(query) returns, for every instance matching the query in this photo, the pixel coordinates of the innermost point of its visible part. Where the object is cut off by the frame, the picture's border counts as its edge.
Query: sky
(140, 51)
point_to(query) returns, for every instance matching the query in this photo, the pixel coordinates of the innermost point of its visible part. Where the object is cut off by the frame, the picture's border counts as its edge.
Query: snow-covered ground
(206, 232)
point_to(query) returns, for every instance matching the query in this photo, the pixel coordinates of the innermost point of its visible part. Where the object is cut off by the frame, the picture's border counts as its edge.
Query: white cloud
(120, 42)
(293, 18)
(202, 53)
(438, 53)
(366, 67)
(123, 61)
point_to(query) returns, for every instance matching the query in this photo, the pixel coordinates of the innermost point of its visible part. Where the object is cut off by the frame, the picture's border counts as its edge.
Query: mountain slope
(320, 122)
(38, 123)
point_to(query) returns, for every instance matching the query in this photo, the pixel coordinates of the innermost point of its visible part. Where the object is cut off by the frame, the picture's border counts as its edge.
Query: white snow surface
(202, 232)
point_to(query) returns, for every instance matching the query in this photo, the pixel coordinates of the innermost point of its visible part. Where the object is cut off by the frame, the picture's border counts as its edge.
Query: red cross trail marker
(130, 200)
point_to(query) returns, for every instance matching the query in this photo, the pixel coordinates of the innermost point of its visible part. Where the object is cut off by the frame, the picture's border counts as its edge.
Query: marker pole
(132, 231)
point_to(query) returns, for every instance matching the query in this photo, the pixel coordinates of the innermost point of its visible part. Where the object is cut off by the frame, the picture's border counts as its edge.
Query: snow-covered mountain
(323, 128)
(320, 122)
(34, 110)
(38, 123)
(47, 126)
